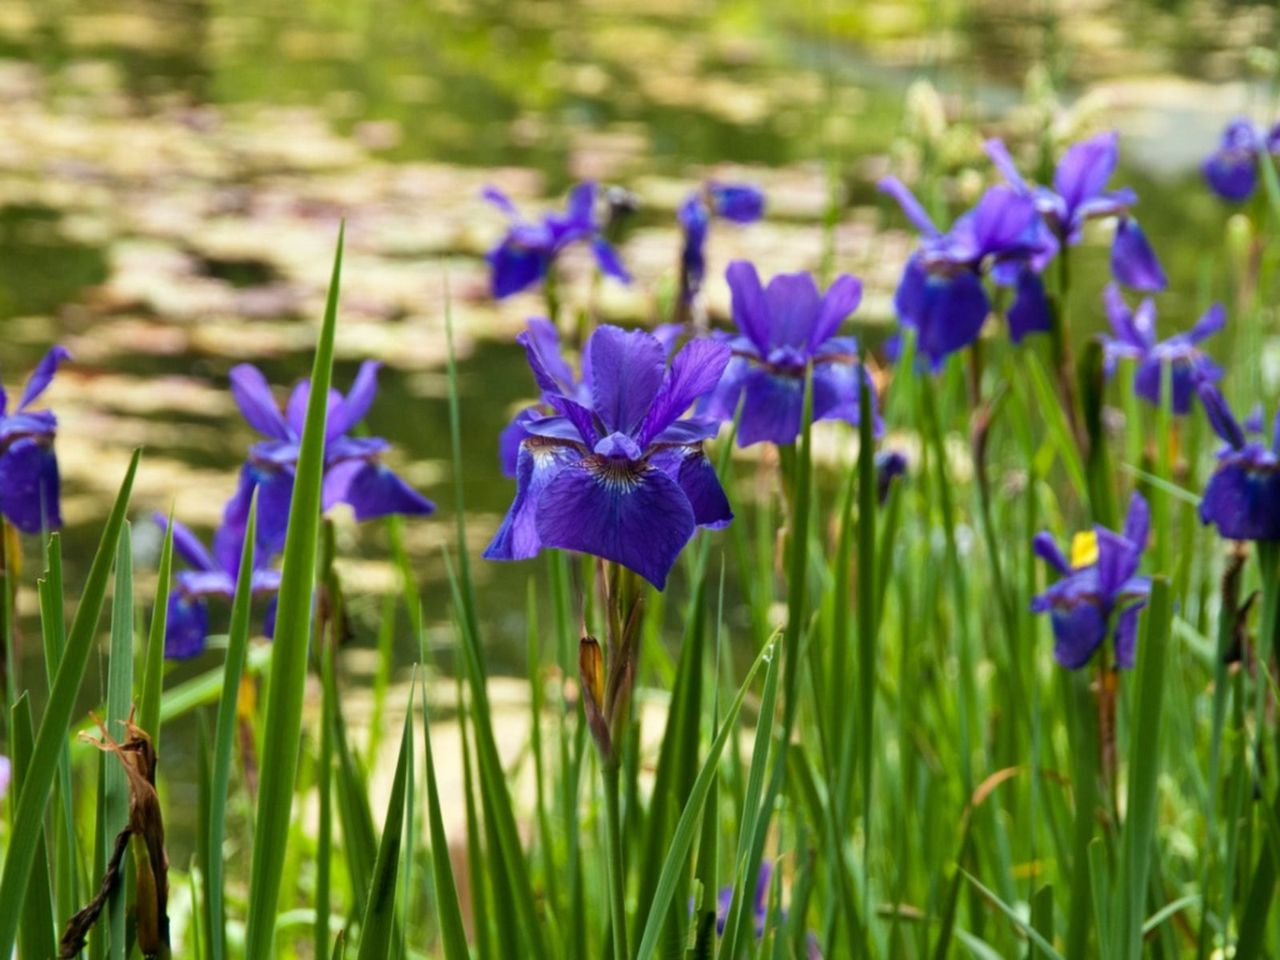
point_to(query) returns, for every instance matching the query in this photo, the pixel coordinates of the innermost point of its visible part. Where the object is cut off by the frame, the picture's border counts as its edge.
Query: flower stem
(617, 878)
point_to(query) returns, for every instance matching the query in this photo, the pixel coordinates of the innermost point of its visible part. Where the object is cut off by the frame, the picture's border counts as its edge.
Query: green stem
(613, 857)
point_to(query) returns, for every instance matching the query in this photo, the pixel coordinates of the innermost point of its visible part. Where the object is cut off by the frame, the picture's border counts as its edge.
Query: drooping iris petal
(1079, 628)
(275, 493)
(633, 515)
(946, 312)
(772, 408)
(627, 370)
(1127, 637)
(689, 467)
(30, 486)
(608, 261)
(42, 376)
(514, 268)
(722, 403)
(187, 544)
(1133, 262)
(186, 627)
(1030, 311)
(372, 490)
(538, 464)
(1243, 501)
(837, 394)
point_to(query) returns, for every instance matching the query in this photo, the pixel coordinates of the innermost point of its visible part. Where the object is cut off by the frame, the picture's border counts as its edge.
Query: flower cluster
(29, 485)
(735, 202)
(1134, 337)
(527, 252)
(1233, 169)
(354, 474)
(1099, 592)
(1010, 236)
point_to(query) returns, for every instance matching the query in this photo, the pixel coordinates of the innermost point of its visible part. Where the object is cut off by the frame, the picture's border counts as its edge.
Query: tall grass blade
(153, 665)
(1144, 760)
(115, 807)
(453, 936)
(379, 924)
(35, 937)
(224, 734)
(56, 720)
(282, 729)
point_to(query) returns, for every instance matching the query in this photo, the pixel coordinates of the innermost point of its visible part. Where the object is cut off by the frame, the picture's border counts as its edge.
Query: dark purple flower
(1243, 496)
(29, 485)
(735, 202)
(1099, 592)
(212, 574)
(941, 294)
(1134, 337)
(620, 475)
(784, 328)
(1079, 193)
(1232, 169)
(526, 253)
(354, 473)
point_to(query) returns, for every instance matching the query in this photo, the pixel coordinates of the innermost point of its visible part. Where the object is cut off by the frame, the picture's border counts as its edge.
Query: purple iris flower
(1079, 193)
(1243, 496)
(353, 473)
(620, 476)
(29, 482)
(543, 335)
(1232, 169)
(735, 202)
(1099, 585)
(526, 253)
(1135, 338)
(784, 328)
(941, 295)
(213, 574)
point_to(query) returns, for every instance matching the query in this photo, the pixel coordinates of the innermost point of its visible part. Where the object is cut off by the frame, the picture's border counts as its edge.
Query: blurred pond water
(172, 173)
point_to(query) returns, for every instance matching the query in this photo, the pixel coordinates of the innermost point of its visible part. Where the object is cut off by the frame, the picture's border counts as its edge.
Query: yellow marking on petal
(247, 701)
(1084, 549)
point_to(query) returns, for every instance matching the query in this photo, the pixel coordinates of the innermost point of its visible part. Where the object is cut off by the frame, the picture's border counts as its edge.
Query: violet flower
(1079, 193)
(1232, 170)
(735, 202)
(759, 901)
(941, 294)
(213, 574)
(529, 248)
(29, 484)
(1099, 592)
(890, 465)
(783, 328)
(1243, 496)
(621, 477)
(353, 470)
(1134, 337)
(6, 773)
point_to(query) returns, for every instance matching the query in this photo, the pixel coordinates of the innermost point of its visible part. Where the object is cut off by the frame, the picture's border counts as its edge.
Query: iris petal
(631, 514)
